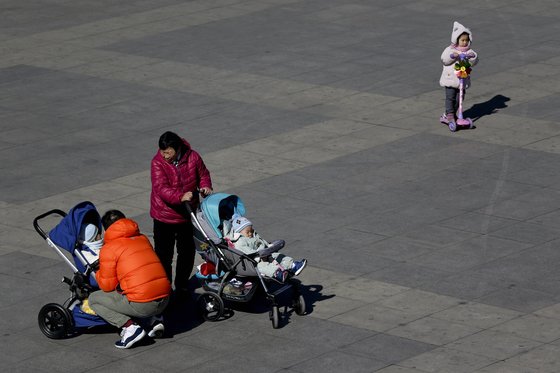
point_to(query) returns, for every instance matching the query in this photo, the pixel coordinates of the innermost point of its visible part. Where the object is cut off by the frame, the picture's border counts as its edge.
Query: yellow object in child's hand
(86, 308)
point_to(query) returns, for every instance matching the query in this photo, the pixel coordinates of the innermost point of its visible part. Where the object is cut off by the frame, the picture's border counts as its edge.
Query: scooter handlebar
(464, 56)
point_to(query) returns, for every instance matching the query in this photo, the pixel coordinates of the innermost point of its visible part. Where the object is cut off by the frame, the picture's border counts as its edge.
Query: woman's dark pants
(166, 236)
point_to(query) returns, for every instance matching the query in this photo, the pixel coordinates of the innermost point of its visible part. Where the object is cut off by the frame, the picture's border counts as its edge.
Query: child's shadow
(489, 107)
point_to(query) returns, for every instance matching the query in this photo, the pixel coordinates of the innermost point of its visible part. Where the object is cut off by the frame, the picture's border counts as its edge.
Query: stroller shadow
(260, 305)
(312, 294)
(489, 107)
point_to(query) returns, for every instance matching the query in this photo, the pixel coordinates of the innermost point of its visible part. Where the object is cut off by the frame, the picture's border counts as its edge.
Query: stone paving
(429, 251)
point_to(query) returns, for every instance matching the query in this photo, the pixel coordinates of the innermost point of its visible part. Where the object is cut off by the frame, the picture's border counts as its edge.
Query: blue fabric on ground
(85, 320)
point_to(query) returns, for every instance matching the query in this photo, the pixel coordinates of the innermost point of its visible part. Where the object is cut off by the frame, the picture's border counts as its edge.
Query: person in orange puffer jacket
(131, 277)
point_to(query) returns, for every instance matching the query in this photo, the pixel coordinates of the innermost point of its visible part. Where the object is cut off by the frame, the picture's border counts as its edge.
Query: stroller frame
(58, 321)
(234, 264)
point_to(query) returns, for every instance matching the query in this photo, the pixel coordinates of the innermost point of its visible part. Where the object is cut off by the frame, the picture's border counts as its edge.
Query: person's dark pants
(165, 238)
(452, 100)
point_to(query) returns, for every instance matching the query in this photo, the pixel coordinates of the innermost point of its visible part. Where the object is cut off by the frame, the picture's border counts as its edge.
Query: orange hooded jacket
(128, 261)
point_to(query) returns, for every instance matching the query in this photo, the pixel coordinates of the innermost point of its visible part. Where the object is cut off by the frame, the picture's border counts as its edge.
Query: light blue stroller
(228, 274)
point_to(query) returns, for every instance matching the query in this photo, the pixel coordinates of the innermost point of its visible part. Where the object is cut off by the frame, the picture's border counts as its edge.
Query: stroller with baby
(58, 321)
(227, 274)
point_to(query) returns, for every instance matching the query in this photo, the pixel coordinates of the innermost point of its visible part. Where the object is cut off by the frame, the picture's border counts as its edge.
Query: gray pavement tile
(519, 299)
(337, 361)
(418, 302)
(470, 253)
(521, 210)
(400, 248)
(409, 274)
(543, 174)
(374, 317)
(476, 314)
(533, 327)
(447, 360)
(355, 261)
(20, 312)
(63, 360)
(527, 232)
(463, 285)
(503, 367)
(18, 73)
(433, 331)
(20, 347)
(546, 107)
(161, 355)
(362, 288)
(439, 236)
(451, 260)
(521, 265)
(127, 365)
(399, 369)
(477, 222)
(388, 348)
(551, 311)
(494, 344)
(322, 332)
(543, 358)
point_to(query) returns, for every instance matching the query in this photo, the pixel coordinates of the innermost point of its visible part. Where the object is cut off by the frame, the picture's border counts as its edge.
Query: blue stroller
(228, 274)
(59, 321)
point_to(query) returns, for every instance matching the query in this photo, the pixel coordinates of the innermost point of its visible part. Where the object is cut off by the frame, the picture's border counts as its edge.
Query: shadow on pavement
(489, 107)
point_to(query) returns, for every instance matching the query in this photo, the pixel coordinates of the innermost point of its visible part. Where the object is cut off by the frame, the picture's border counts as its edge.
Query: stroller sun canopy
(218, 207)
(66, 233)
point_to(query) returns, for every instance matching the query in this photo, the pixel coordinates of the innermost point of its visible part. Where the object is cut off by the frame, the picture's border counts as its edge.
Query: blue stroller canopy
(218, 207)
(66, 233)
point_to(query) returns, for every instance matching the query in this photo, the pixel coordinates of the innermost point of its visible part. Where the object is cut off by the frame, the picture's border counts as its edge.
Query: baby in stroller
(91, 238)
(274, 265)
(233, 261)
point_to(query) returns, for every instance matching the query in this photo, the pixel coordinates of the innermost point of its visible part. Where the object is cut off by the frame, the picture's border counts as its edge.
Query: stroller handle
(36, 221)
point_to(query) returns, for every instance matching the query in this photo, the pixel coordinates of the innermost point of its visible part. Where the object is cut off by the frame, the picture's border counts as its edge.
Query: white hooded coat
(448, 77)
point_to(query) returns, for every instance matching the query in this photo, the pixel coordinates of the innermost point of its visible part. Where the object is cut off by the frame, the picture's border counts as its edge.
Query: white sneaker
(157, 327)
(130, 335)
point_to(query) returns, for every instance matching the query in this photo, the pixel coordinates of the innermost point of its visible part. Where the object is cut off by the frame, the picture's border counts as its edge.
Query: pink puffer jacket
(170, 182)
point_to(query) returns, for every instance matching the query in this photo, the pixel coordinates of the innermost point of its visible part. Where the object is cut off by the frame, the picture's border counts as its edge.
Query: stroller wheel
(211, 306)
(299, 305)
(55, 321)
(274, 316)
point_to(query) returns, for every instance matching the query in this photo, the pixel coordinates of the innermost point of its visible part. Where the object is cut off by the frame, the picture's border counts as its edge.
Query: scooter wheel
(452, 126)
(471, 125)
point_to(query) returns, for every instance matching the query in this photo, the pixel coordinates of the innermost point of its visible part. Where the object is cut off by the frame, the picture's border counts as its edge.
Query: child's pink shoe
(447, 118)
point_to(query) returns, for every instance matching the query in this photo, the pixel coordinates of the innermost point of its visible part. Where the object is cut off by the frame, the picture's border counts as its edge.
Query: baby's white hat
(239, 222)
(88, 232)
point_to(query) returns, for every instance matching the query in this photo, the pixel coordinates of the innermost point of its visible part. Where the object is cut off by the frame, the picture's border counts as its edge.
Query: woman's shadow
(489, 107)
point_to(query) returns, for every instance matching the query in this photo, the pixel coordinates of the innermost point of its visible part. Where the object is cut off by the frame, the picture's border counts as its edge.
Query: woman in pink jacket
(177, 172)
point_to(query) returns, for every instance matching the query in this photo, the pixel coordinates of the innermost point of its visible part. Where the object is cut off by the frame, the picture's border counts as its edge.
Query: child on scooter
(461, 38)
